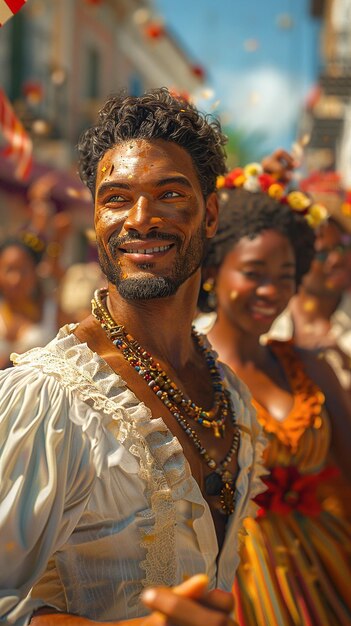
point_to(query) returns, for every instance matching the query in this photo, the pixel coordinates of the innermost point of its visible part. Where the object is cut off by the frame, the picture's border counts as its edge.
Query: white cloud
(263, 100)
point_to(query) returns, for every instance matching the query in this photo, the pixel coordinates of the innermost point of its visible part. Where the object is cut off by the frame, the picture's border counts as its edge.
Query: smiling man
(129, 456)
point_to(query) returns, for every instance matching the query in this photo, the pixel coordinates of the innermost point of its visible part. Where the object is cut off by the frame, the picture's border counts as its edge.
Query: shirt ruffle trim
(116, 411)
(161, 462)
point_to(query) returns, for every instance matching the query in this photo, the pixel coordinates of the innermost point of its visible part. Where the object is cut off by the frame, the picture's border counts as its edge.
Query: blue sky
(261, 56)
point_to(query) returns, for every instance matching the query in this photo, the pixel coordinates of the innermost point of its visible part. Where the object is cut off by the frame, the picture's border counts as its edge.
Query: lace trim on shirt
(161, 461)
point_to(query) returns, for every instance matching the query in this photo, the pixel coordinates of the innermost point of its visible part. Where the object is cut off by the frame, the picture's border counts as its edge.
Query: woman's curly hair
(155, 115)
(246, 214)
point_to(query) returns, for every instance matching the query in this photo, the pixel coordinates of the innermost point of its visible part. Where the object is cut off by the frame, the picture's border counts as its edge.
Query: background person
(27, 318)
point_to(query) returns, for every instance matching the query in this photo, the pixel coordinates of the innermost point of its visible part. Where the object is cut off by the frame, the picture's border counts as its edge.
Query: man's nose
(141, 216)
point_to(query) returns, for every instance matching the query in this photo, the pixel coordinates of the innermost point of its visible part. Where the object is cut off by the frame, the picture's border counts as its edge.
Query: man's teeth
(149, 250)
(264, 310)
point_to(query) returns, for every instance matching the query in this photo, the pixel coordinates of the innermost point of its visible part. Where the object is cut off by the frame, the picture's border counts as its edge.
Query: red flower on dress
(288, 490)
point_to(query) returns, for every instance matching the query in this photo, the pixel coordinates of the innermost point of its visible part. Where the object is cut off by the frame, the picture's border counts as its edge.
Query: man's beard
(151, 287)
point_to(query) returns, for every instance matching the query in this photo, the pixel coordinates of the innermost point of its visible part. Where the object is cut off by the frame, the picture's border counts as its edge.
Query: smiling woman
(259, 255)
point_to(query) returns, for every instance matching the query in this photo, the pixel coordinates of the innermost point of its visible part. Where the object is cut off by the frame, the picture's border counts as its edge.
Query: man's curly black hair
(246, 214)
(155, 115)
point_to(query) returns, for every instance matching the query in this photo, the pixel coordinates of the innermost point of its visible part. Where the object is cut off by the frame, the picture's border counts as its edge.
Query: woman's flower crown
(253, 178)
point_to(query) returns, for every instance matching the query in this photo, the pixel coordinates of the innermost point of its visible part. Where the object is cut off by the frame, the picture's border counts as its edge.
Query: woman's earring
(208, 287)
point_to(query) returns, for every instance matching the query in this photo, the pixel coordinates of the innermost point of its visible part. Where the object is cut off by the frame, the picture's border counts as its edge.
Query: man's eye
(115, 198)
(171, 194)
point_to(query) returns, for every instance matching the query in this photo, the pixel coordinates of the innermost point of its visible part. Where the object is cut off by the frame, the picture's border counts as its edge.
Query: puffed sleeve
(46, 476)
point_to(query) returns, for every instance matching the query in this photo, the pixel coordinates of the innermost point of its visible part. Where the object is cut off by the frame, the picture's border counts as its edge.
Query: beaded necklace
(221, 480)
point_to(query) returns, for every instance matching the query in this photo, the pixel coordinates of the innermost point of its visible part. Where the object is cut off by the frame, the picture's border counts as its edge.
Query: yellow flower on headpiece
(298, 200)
(275, 191)
(239, 180)
(220, 182)
(253, 169)
(317, 213)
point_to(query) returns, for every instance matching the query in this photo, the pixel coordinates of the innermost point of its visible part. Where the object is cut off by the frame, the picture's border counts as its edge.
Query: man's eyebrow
(111, 186)
(180, 180)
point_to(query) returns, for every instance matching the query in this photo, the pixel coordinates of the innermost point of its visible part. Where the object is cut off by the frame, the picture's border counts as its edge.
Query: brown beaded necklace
(220, 481)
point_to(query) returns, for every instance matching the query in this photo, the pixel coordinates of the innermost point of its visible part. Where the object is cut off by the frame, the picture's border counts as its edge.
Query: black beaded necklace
(220, 481)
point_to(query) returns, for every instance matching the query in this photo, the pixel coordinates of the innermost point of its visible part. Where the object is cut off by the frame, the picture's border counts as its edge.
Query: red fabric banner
(19, 146)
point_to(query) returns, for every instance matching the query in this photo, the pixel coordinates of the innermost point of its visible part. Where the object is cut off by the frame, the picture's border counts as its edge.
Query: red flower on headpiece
(234, 178)
(266, 180)
(288, 490)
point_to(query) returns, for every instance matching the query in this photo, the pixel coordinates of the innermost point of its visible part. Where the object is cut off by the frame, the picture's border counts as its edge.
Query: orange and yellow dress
(296, 556)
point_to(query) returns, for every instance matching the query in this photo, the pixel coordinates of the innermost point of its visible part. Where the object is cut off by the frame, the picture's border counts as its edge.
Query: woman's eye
(288, 277)
(251, 275)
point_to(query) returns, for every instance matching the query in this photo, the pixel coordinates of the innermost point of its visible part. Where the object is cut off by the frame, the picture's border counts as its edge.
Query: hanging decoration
(33, 91)
(20, 146)
(154, 30)
(8, 8)
(198, 71)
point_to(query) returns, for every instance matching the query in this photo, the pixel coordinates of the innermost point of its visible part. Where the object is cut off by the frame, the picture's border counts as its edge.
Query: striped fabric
(8, 8)
(19, 145)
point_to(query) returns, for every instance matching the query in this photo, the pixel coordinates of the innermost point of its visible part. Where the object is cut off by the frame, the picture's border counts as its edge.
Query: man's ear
(211, 216)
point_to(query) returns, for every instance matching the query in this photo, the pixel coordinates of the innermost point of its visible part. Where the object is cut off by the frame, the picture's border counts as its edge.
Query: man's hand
(189, 604)
(280, 164)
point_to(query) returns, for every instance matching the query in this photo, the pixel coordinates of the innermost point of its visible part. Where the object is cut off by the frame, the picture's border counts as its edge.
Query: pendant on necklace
(221, 485)
(227, 499)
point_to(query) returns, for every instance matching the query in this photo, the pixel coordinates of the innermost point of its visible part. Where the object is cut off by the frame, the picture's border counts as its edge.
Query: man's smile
(142, 251)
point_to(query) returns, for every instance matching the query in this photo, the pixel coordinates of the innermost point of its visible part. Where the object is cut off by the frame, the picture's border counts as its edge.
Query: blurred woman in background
(27, 318)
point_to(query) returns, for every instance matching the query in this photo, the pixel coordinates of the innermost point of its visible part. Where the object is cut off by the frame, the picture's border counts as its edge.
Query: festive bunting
(19, 143)
(8, 8)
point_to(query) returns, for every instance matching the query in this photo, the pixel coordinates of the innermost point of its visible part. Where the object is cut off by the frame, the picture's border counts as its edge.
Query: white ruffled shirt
(97, 499)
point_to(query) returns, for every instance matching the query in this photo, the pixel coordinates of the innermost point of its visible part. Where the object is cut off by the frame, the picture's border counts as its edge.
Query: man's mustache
(116, 242)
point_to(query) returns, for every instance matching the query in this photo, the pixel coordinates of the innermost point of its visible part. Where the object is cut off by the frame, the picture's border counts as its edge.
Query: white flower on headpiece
(252, 184)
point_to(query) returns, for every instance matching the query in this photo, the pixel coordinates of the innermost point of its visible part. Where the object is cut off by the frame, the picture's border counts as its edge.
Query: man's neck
(162, 326)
